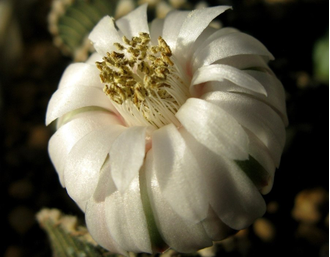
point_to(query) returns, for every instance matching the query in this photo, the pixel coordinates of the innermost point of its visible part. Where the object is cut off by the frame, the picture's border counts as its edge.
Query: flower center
(143, 81)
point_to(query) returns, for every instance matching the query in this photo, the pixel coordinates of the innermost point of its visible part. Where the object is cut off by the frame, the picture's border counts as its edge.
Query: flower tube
(169, 134)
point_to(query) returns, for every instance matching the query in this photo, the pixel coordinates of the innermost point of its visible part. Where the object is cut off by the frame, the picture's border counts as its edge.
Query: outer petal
(275, 92)
(261, 153)
(254, 115)
(245, 62)
(81, 74)
(243, 204)
(126, 156)
(178, 174)
(172, 25)
(193, 26)
(104, 35)
(105, 186)
(207, 32)
(67, 99)
(219, 72)
(96, 223)
(214, 128)
(84, 162)
(214, 36)
(232, 195)
(215, 228)
(95, 57)
(156, 30)
(230, 44)
(69, 134)
(134, 22)
(180, 234)
(126, 219)
(95, 214)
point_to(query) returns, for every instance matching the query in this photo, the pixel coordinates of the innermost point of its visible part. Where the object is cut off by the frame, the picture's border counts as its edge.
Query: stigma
(143, 81)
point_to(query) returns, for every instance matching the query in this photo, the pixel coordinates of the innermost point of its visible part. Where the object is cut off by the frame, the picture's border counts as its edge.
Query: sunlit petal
(172, 26)
(134, 22)
(275, 92)
(254, 115)
(104, 35)
(126, 156)
(126, 220)
(192, 235)
(68, 135)
(81, 74)
(219, 72)
(230, 44)
(68, 99)
(180, 180)
(83, 164)
(194, 25)
(261, 153)
(155, 28)
(96, 223)
(224, 135)
(242, 202)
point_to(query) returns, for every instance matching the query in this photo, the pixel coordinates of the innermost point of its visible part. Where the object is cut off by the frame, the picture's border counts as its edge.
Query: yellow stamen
(143, 80)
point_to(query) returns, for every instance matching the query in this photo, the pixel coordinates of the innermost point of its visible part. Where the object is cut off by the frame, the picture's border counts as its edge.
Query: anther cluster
(144, 75)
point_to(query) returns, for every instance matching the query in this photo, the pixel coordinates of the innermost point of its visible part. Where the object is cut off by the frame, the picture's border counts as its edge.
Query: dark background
(28, 181)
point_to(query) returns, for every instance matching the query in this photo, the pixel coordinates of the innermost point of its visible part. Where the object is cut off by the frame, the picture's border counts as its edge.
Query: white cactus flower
(168, 135)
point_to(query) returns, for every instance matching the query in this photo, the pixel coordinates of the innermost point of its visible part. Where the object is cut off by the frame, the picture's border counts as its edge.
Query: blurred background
(34, 53)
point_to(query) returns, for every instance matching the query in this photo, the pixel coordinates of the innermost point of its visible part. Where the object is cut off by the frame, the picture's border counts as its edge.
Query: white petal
(218, 33)
(134, 22)
(105, 185)
(193, 26)
(241, 203)
(214, 128)
(95, 57)
(180, 234)
(275, 92)
(207, 32)
(104, 35)
(69, 134)
(156, 30)
(260, 152)
(215, 228)
(81, 74)
(96, 224)
(232, 195)
(67, 99)
(228, 45)
(219, 72)
(179, 176)
(126, 220)
(84, 162)
(172, 25)
(254, 115)
(126, 156)
(244, 62)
